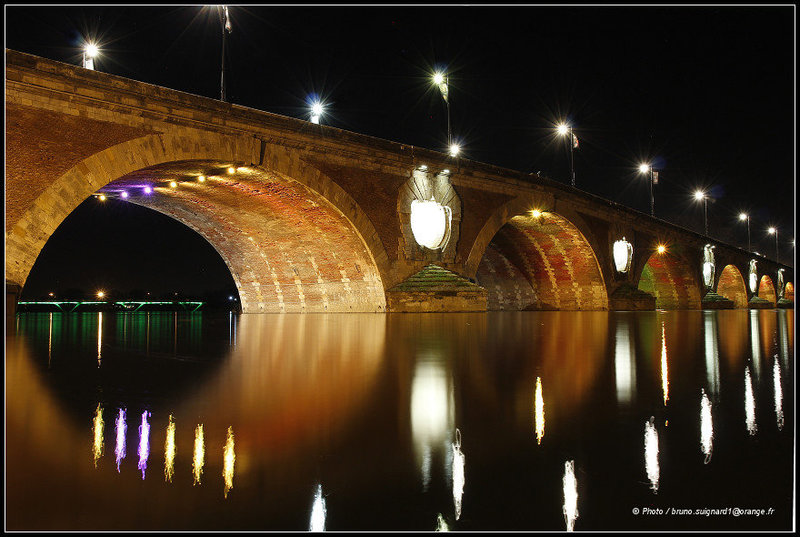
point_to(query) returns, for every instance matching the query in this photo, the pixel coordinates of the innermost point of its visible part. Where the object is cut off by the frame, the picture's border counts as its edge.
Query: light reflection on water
(369, 403)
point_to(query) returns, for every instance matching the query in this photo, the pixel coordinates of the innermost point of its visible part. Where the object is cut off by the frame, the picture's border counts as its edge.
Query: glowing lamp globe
(430, 223)
(623, 253)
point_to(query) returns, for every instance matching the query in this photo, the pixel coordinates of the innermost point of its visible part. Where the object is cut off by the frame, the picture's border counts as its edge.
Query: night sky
(706, 94)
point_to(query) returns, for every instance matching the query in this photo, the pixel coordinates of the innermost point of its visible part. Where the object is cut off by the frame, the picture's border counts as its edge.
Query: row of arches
(294, 241)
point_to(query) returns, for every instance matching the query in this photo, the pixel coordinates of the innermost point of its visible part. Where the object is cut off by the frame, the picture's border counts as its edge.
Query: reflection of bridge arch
(289, 248)
(670, 280)
(788, 292)
(731, 285)
(766, 290)
(539, 262)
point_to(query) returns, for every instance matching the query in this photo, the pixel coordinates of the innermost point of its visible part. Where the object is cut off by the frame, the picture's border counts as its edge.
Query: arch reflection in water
(122, 430)
(432, 411)
(97, 445)
(749, 403)
(776, 379)
(229, 460)
(624, 362)
(711, 352)
(198, 458)
(570, 485)
(169, 451)
(706, 427)
(458, 474)
(538, 406)
(664, 371)
(318, 512)
(651, 453)
(144, 442)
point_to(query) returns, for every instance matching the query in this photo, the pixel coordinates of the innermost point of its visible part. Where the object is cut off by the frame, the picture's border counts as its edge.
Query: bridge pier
(12, 297)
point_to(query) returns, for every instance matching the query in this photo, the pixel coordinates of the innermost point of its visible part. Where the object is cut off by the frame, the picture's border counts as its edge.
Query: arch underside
(731, 285)
(288, 249)
(670, 281)
(541, 263)
(766, 290)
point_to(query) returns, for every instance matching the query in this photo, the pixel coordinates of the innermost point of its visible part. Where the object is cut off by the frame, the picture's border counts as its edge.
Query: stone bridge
(311, 218)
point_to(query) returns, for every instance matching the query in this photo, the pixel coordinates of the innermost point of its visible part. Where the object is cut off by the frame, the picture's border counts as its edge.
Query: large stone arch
(274, 172)
(671, 280)
(766, 289)
(731, 285)
(542, 261)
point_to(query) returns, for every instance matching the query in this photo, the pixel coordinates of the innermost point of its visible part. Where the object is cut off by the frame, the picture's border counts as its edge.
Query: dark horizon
(702, 93)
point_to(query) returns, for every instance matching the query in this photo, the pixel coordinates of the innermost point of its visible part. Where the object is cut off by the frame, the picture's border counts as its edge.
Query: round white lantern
(623, 254)
(430, 223)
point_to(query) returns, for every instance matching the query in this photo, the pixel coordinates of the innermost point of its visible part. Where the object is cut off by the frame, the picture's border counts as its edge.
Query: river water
(495, 421)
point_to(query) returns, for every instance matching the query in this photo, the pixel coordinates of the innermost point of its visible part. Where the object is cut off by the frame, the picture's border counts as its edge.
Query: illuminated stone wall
(766, 290)
(789, 292)
(671, 282)
(555, 259)
(731, 285)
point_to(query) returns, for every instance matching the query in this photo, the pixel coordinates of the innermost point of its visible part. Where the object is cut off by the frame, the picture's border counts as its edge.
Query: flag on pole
(574, 141)
(655, 177)
(227, 20)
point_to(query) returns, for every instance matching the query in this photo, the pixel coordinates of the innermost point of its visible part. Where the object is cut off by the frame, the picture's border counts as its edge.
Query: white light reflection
(122, 429)
(169, 451)
(318, 512)
(50, 342)
(784, 337)
(570, 495)
(458, 474)
(664, 372)
(624, 362)
(712, 352)
(198, 458)
(229, 459)
(99, 336)
(755, 343)
(441, 524)
(706, 427)
(144, 442)
(97, 447)
(749, 403)
(432, 412)
(651, 453)
(776, 379)
(538, 406)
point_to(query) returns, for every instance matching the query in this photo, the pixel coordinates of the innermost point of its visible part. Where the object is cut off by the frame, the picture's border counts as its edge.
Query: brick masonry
(731, 285)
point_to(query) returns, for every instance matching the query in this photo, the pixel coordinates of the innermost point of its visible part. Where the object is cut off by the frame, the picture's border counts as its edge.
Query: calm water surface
(494, 421)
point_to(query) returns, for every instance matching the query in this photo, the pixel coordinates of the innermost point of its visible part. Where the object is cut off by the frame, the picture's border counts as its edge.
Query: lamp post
(746, 217)
(90, 51)
(646, 168)
(774, 231)
(563, 130)
(699, 195)
(225, 21)
(441, 80)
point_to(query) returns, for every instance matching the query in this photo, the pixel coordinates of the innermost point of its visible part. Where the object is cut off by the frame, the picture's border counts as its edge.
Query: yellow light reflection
(749, 403)
(199, 454)
(458, 474)
(169, 451)
(651, 453)
(776, 378)
(97, 448)
(706, 427)
(570, 495)
(318, 512)
(539, 411)
(664, 372)
(229, 459)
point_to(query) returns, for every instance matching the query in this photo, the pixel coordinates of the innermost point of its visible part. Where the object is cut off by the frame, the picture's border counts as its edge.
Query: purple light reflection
(144, 442)
(121, 430)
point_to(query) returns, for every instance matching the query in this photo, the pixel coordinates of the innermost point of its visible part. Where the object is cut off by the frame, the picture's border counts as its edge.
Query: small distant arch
(766, 289)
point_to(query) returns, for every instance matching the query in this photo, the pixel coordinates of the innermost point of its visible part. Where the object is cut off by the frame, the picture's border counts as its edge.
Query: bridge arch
(343, 259)
(788, 292)
(671, 280)
(766, 289)
(539, 260)
(731, 285)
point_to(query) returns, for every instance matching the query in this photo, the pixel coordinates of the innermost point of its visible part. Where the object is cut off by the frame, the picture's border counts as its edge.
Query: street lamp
(90, 52)
(572, 140)
(774, 231)
(646, 168)
(441, 80)
(455, 149)
(316, 112)
(225, 21)
(699, 195)
(743, 217)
